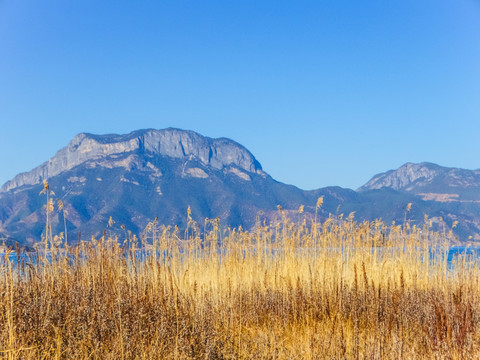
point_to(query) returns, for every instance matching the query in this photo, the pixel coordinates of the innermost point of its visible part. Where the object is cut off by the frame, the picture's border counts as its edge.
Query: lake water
(470, 252)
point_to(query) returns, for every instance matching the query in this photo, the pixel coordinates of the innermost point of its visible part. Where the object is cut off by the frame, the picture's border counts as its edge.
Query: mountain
(430, 182)
(137, 177)
(448, 194)
(146, 174)
(172, 143)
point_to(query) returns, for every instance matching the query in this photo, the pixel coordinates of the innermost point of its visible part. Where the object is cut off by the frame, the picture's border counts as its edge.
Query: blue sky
(321, 92)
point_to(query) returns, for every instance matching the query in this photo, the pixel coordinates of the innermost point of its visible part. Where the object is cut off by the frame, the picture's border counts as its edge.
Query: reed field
(296, 289)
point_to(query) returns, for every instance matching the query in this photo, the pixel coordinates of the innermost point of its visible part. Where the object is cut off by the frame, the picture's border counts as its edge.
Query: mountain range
(149, 174)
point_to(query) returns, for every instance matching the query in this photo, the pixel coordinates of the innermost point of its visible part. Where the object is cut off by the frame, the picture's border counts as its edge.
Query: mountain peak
(425, 176)
(403, 177)
(175, 143)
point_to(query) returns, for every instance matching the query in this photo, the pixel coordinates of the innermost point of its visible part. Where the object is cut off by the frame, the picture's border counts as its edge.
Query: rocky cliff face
(173, 143)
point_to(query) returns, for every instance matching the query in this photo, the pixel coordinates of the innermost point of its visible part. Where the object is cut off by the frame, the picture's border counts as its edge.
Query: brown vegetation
(334, 290)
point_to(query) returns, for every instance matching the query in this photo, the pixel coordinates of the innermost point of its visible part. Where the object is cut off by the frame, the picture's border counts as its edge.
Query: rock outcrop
(174, 143)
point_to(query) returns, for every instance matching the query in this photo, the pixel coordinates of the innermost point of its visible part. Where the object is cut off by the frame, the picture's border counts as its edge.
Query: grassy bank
(334, 290)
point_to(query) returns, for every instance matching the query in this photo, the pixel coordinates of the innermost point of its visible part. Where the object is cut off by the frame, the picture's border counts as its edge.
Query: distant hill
(452, 194)
(430, 182)
(159, 173)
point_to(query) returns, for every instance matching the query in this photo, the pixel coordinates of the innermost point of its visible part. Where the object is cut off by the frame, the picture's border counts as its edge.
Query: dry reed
(333, 290)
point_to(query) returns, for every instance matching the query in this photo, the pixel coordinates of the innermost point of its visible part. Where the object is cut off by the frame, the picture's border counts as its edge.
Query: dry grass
(334, 290)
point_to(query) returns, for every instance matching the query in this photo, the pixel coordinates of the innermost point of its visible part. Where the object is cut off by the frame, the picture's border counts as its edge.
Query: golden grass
(334, 290)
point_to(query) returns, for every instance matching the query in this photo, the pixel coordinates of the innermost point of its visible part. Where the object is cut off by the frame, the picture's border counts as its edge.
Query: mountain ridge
(430, 181)
(172, 142)
(150, 173)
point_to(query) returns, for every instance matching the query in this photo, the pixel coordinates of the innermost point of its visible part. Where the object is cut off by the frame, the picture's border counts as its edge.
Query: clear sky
(321, 92)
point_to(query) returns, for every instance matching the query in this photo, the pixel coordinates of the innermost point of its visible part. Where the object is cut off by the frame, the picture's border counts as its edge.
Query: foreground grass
(336, 290)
